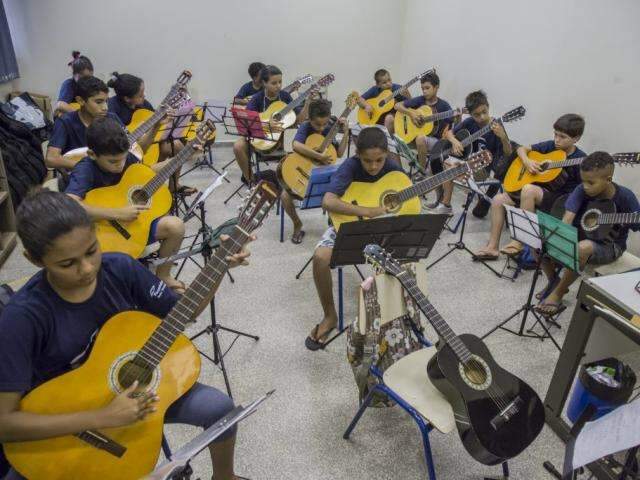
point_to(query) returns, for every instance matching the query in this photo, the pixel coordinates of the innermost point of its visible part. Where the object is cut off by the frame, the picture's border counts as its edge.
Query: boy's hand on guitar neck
(498, 129)
(126, 408)
(239, 258)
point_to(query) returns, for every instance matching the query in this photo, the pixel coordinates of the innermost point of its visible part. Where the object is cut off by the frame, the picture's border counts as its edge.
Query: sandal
(186, 190)
(512, 249)
(297, 237)
(542, 294)
(550, 309)
(312, 342)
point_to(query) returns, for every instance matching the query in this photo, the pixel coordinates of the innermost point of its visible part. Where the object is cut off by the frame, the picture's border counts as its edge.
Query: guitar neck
(619, 218)
(397, 91)
(569, 162)
(430, 183)
(169, 169)
(440, 116)
(295, 103)
(197, 296)
(436, 320)
(147, 125)
(331, 134)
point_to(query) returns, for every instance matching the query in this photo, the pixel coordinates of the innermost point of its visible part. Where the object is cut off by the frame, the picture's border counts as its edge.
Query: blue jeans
(201, 406)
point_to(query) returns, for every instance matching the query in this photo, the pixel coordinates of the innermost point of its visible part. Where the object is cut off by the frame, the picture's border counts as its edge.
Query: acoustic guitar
(443, 148)
(294, 171)
(599, 219)
(552, 163)
(145, 121)
(408, 130)
(396, 192)
(384, 102)
(284, 114)
(497, 414)
(130, 346)
(139, 185)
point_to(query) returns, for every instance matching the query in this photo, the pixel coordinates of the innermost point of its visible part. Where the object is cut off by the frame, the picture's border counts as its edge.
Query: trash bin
(608, 386)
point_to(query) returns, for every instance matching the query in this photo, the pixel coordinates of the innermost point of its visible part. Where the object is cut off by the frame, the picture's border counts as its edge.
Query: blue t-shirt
(259, 102)
(87, 175)
(573, 173)
(69, 132)
(43, 336)
(351, 171)
(305, 129)
(247, 90)
(123, 111)
(375, 91)
(440, 106)
(624, 200)
(67, 92)
(489, 141)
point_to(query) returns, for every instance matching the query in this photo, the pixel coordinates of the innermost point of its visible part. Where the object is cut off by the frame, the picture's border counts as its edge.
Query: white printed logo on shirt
(156, 291)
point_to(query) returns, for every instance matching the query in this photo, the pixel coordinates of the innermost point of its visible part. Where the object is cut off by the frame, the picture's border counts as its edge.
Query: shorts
(328, 239)
(550, 201)
(604, 252)
(152, 231)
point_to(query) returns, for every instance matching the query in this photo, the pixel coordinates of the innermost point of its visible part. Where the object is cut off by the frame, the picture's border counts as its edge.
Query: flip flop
(556, 308)
(512, 249)
(314, 344)
(186, 190)
(297, 237)
(484, 257)
(542, 294)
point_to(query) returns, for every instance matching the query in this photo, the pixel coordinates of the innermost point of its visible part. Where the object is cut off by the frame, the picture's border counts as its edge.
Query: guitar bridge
(506, 413)
(102, 442)
(120, 229)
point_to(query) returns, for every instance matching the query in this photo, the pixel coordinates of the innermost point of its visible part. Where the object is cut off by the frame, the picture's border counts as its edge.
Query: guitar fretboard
(169, 169)
(439, 324)
(397, 91)
(331, 134)
(430, 183)
(619, 218)
(147, 125)
(629, 158)
(441, 116)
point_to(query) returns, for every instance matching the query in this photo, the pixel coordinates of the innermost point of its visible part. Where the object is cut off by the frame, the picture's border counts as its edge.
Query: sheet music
(523, 226)
(615, 432)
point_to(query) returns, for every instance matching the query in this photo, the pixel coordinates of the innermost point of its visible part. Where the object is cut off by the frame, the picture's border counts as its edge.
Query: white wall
(16, 17)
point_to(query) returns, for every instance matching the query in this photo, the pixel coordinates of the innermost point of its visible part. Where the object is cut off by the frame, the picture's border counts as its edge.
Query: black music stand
(406, 237)
(247, 124)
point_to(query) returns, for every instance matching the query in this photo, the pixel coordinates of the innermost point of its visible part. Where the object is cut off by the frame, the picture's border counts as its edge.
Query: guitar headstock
(322, 82)
(352, 100)
(203, 132)
(178, 93)
(256, 207)
(426, 72)
(378, 257)
(514, 115)
(627, 158)
(184, 78)
(298, 82)
(475, 162)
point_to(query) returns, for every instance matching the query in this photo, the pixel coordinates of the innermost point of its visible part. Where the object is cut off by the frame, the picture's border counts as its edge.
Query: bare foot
(486, 253)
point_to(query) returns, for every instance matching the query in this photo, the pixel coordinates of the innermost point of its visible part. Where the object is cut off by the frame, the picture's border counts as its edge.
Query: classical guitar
(396, 192)
(384, 102)
(497, 414)
(443, 148)
(130, 346)
(552, 163)
(284, 114)
(294, 171)
(600, 218)
(408, 130)
(139, 185)
(143, 121)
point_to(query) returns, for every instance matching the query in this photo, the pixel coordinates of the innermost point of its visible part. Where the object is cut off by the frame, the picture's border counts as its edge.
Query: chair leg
(428, 457)
(363, 407)
(166, 450)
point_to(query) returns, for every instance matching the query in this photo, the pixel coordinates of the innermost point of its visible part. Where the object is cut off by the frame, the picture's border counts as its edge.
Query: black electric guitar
(443, 148)
(599, 219)
(497, 414)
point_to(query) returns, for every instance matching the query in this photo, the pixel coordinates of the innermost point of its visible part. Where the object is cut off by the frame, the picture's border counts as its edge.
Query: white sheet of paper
(523, 226)
(615, 432)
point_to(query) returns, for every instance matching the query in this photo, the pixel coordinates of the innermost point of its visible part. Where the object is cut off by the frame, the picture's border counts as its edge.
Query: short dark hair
(596, 161)
(254, 68)
(89, 86)
(571, 124)
(105, 136)
(80, 63)
(371, 137)
(124, 84)
(432, 78)
(319, 108)
(269, 71)
(44, 216)
(379, 74)
(475, 99)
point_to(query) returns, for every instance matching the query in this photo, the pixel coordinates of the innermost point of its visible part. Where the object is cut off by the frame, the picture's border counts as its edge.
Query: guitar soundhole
(390, 201)
(139, 197)
(131, 371)
(276, 116)
(475, 373)
(590, 220)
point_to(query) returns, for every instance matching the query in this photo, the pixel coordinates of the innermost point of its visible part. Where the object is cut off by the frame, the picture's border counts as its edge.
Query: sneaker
(439, 209)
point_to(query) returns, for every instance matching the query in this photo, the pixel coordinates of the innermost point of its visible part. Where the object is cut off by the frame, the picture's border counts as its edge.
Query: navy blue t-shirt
(43, 336)
(87, 175)
(259, 102)
(573, 173)
(624, 200)
(123, 111)
(247, 90)
(69, 132)
(351, 171)
(440, 106)
(375, 91)
(305, 129)
(67, 92)
(489, 141)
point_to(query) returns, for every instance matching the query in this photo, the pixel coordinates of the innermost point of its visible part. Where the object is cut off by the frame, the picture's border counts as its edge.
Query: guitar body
(588, 219)
(152, 154)
(517, 175)
(294, 171)
(264, 145)
(407, 130)
(373, 195)
(116, 196)
(485, 443)
(379, 109)
(78, 154)
(93, 386)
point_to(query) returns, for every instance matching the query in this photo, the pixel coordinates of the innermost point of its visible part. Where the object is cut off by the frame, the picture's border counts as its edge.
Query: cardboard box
(43, 102)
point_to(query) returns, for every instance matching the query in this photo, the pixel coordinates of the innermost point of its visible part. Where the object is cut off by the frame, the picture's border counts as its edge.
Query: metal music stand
(177, 467)
(208, 110)
(406, 237)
